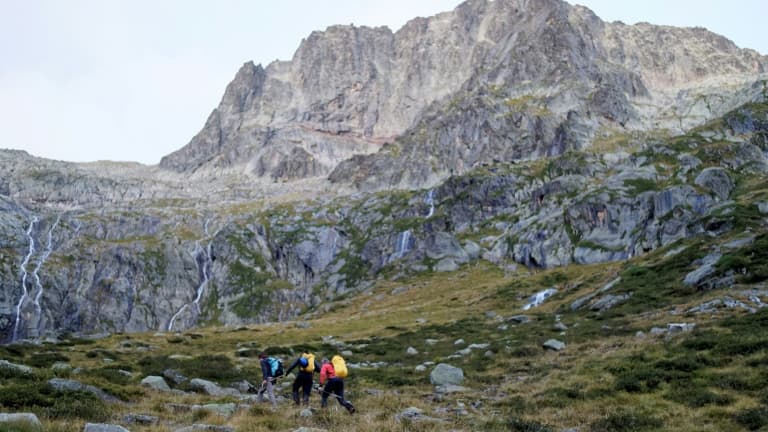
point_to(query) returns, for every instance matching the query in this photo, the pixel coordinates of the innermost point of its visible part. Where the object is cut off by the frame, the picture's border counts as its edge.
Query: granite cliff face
(523, 133)
(501, 80)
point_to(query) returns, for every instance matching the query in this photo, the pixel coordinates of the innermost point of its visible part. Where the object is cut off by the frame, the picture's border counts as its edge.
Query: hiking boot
(351, 409)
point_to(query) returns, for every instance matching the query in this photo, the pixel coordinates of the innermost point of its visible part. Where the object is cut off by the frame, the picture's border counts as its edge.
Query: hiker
(307, 366)
(334, 383)
(267, 381)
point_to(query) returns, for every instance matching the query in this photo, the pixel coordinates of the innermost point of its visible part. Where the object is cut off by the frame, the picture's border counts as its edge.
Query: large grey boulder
(444, 374)
(609, 301)
(705, 270)
(763, 207)
(212, 388)
(446, 265)
(156, 383)
(15, 369)
(18, 418)
(554, 345)
(224, 410)
(206, 428)
(716, 180)
(442, 245)
(103, 427)
(174, 376)
(72, 385)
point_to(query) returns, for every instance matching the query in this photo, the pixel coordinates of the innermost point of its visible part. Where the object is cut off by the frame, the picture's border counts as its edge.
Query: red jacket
(327, 372)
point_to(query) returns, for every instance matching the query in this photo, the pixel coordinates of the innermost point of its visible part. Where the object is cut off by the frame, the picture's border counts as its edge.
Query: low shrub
(626, 421)
(521, 425)
(752, 418)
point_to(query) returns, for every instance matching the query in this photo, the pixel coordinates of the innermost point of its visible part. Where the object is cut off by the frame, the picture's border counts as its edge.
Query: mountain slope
(519, 79)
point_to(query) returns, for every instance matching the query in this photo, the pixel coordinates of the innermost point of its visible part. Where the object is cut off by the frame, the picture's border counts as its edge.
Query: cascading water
(204, 260)
(36, 272)
(206, 276)
(176, 315)
(404, 243)
(430, 200)
(24, 274)
(539, 298)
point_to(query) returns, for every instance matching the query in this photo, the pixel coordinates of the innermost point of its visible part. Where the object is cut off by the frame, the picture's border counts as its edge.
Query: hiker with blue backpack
(332, 374)
(271, 369)
(307, 366)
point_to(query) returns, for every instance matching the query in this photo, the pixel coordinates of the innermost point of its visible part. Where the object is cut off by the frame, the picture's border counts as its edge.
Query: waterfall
(176, 315)
(404, 240)
(430, 200)
(539, 298)
(204, 260)
(335, 240)
(24, 275)
(206, 270)
(43, 258)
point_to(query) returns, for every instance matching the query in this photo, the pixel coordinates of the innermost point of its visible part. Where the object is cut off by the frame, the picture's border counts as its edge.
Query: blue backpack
(275, 366)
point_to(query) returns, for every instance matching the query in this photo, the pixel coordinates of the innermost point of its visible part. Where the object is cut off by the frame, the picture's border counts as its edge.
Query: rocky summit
(519, 133)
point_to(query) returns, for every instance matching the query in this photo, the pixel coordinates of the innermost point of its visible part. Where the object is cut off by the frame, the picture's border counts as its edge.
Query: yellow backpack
(339, 366)
(310, 362)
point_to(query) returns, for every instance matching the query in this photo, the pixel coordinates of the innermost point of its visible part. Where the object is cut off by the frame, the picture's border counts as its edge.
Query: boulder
(450, 388)
(212, 388)
(763, 207)
(519, 319)
(225, 410)
(174, 376)
(608, 301)
(206, 428)
(103, 427)
(717, 181)
(706, 269)
(15, 369)
(140, 419)
(61, 368)
(444, 374)
(554, 345)
(71, 385)
(446, 265)
(674, 328)
(156, 383)
(442, 245)
(17, 418)
(413, 414)
(411, 351)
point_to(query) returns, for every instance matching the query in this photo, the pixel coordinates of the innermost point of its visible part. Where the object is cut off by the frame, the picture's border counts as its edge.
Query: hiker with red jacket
(334, 384)
(307, 366)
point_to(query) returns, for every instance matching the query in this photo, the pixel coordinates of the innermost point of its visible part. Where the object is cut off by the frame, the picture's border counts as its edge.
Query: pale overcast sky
(133, 80)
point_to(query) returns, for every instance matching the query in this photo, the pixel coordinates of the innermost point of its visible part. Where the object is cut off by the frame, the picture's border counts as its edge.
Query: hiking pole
(322, 391)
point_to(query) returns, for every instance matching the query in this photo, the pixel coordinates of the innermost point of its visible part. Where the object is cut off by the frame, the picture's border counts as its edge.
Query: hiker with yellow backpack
(307, 366)
(332, 374)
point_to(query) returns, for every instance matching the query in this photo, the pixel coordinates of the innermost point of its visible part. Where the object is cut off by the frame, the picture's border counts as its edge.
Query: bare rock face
(490, 80)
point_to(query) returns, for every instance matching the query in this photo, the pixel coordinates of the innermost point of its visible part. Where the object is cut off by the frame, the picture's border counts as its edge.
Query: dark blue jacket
(266, 370)
(297, 365)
